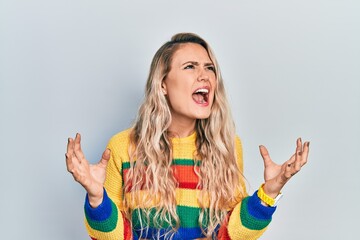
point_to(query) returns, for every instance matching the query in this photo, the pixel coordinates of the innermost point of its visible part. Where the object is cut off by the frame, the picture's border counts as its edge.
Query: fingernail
(308, 144)
(300, 139)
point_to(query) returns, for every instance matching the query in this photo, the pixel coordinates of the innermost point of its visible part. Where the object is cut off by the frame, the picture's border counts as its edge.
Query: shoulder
(238, 145)
(239, 153)
(120, 142)
(123, 136)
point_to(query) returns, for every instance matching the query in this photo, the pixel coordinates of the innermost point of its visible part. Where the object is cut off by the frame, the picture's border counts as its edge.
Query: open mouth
(201, 96)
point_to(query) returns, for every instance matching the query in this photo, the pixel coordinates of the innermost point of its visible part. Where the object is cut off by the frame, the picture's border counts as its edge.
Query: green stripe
(125, 165)
(139, 213)
(249, 221)
(105, 226)
(177, 161)
(185, 162)
(189, 217)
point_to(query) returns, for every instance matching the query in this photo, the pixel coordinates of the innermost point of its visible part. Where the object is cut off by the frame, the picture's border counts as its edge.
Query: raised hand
(276, 176)
(91, 177)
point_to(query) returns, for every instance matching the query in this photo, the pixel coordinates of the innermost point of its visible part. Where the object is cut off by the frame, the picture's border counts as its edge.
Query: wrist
(96, 200)
(268, 200)
(270, 191)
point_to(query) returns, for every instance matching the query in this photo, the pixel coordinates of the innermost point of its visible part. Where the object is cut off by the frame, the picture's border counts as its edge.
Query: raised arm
(250, 218)
(91, 177)
(276, 176)
(104, 219)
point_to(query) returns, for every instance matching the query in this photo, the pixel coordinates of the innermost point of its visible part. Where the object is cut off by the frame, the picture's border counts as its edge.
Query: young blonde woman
(178, 172)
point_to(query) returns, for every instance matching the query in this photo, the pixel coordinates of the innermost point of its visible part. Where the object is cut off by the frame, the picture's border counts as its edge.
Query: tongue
(198, 98)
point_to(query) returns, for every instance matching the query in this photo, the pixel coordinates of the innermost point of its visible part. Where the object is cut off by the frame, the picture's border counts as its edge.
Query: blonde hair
(152, 150)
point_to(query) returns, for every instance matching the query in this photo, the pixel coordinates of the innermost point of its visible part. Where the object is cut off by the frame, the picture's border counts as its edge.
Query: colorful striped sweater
(248, 220)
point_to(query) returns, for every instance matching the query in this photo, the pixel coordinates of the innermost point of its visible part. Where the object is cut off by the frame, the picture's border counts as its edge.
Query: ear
(163, 87)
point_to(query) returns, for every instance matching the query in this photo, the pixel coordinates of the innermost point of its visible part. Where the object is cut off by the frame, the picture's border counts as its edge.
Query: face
(190, 84)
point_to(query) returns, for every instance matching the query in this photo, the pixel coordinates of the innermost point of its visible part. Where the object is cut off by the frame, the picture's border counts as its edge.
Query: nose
(203, 75)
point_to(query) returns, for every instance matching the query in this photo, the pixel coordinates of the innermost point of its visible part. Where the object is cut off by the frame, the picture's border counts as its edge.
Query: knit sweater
(248, 220)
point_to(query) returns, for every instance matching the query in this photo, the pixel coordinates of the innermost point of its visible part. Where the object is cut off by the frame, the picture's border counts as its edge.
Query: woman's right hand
(91, 177)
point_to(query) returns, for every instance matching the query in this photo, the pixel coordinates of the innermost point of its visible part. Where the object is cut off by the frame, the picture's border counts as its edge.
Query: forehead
(191, 52)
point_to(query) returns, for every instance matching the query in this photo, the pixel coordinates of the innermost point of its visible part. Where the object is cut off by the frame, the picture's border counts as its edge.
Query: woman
(177, 173)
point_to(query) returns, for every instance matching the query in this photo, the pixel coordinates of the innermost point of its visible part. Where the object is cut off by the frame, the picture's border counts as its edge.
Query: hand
(276, 176)
(91, 177)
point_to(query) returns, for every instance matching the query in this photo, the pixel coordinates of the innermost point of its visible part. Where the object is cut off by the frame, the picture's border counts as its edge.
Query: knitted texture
(248, 220)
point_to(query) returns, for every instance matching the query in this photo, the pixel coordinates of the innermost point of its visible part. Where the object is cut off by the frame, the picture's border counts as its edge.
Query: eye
(190, 66)
(211, 68)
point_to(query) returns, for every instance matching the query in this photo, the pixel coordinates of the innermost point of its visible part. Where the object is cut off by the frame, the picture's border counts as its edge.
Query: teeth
(202, 90)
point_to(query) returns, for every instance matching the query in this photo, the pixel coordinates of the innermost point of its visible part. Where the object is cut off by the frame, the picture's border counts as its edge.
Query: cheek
(177, 98)
(179, 89)
(214, 84)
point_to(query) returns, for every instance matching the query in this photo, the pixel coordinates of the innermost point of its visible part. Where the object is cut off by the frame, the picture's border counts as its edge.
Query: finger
(69, 164)
(77, 148)
(291, 161)
(298, 153)
(72, 163)
(105, 158)
(304, 156)
(265, 155)
(70, 146)
(289, 165)
(71, 150)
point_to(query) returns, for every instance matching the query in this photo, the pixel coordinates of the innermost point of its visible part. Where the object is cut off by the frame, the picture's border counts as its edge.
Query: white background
(291, 68)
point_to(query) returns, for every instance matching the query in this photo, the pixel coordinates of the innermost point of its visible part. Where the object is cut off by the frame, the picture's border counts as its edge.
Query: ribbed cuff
(257, 210)
(100, 213)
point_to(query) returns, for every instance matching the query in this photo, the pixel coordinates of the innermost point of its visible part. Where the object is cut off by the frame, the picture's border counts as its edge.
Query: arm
(108, 221)
(103, 216)
(250, 218)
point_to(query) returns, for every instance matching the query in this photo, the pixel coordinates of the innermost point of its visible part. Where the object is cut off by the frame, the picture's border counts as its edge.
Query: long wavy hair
(151, 151)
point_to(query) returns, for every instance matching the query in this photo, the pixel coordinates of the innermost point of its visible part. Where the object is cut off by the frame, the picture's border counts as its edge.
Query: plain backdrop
(291, 68)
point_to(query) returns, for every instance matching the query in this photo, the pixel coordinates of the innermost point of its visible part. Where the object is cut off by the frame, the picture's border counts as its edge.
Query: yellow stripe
(237, 231)
(184, 197)
(118, 231)
(189, 197)
(184, 147)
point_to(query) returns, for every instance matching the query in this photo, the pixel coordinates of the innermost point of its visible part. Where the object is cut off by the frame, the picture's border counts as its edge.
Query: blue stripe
(102, 212)
(180, 234)
(257, 210)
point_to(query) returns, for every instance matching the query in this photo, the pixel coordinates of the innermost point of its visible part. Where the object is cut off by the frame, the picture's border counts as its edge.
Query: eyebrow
(197, 64)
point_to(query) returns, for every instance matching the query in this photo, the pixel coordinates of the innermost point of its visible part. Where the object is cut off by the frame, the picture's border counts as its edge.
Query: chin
(202, 116)
(202, 113)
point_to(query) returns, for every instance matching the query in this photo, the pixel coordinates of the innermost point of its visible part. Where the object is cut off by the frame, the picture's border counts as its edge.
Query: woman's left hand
(276, 176)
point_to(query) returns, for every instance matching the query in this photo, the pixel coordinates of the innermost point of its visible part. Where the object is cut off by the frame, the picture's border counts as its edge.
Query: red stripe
(223, 233)
(185, 174)
(127, 228)
(188, 185)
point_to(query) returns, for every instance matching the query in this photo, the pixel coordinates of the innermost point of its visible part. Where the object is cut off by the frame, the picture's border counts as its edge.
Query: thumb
(265, 155)
(105, 158)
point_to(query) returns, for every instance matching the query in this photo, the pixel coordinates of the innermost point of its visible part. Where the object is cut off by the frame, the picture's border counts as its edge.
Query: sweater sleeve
(107, 221)
(249, 219)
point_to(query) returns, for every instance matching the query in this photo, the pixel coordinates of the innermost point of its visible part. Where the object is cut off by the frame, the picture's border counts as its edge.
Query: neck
(181, 128)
